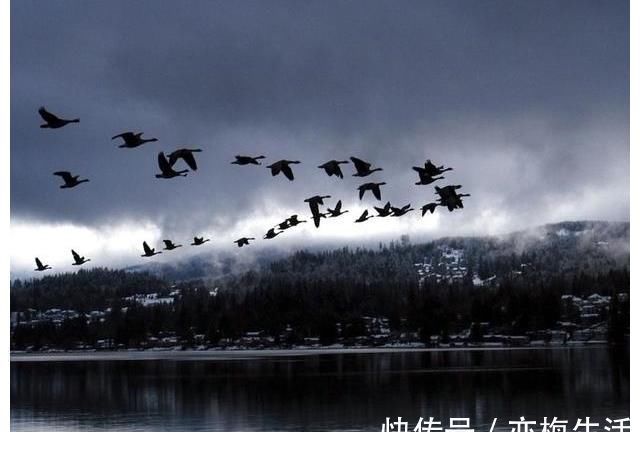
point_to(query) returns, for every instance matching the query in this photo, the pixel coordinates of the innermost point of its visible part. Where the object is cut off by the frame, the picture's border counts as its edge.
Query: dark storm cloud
(527, 100)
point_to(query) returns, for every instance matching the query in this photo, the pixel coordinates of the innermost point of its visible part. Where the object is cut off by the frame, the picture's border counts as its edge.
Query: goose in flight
(283, 166)
(450, 198)
(271, 234)
(314, 203)
(133, 140)
(384, 211)
(69, 180)
(425, 177)
(40, 267)
(284, 225)
(374, 187)
(293, 220)
(364, 217)
(169, 245)
(399, 211)
(363, 168)
(52, 121)
(198, 241)
(431, 207)
(242, 241)
(332, 168)
(247, 160)
(166, 170)
(337, 210)
(148, 251)
(186, 155)
(77, 259)
(431, 169)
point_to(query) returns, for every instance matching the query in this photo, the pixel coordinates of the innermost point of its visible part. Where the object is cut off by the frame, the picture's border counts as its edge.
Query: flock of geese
(448, 196)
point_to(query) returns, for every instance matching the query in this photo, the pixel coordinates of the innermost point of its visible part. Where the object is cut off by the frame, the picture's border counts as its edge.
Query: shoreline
(221, 355)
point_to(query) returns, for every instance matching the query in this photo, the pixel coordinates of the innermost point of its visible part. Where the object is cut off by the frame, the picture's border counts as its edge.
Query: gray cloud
(527, 100)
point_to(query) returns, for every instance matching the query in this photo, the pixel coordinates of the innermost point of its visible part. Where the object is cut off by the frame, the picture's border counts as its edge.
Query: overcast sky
(527, 101)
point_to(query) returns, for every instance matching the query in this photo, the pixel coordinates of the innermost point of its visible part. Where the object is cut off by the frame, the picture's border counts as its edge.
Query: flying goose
(425, 177)
(198, 241)
(314, 202)
(40, 267)
(166, 171)
(363, 168)
(283, 166)
(364, 217)
(332, 168)
(433, 170)
(431, 207)
(293, 220)
(246, 160)
(133, 140)
(78, 260)
(186, 155)
(52, 121)
(337, 210)
(399, 211)
(169, 245)
(69, 180)
(374, 187)
(271, 234)
(242, 241)
(148, 251)
(384, 211)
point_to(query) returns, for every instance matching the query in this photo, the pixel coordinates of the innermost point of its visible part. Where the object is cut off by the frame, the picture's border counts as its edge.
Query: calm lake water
(315, 392)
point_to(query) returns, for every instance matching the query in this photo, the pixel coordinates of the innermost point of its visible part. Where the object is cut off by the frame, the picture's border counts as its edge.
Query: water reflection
(320, 392)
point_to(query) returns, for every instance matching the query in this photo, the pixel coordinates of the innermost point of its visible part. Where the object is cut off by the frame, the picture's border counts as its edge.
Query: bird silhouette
(314, 203)
(332, 168)
(52, 121)
(384, 211)
(242, 241)
(271, 234)
(450, 198)
(433, 170)
(374, 187)
(363, 168)
(431, 207)
(166, 171)
(148, 251)
(293, 220)
(284, 225)
(186, 155)
(169, 245)
(282, 166)
(399, 211)
(40, 267)
(425, 177)
(133, 140)
(69, 180)
(77, 259)
(198, 241)
(364, 217)
(247, 160)
(337, 210)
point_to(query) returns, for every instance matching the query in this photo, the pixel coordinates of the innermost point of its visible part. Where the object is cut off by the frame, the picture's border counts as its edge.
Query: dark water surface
(312, 392)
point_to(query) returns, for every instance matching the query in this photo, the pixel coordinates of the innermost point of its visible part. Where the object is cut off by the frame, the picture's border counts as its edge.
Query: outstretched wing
(376, 191)
(147, 249)
(164, 165)
(275, 169)
(47, 116)
(168, 243)
(190, 160)
(76, 256)
(361, 191)
(66, 175)
(38, 263)
(287, 171)
(124, 135)
(361, 165)
(338, 206)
